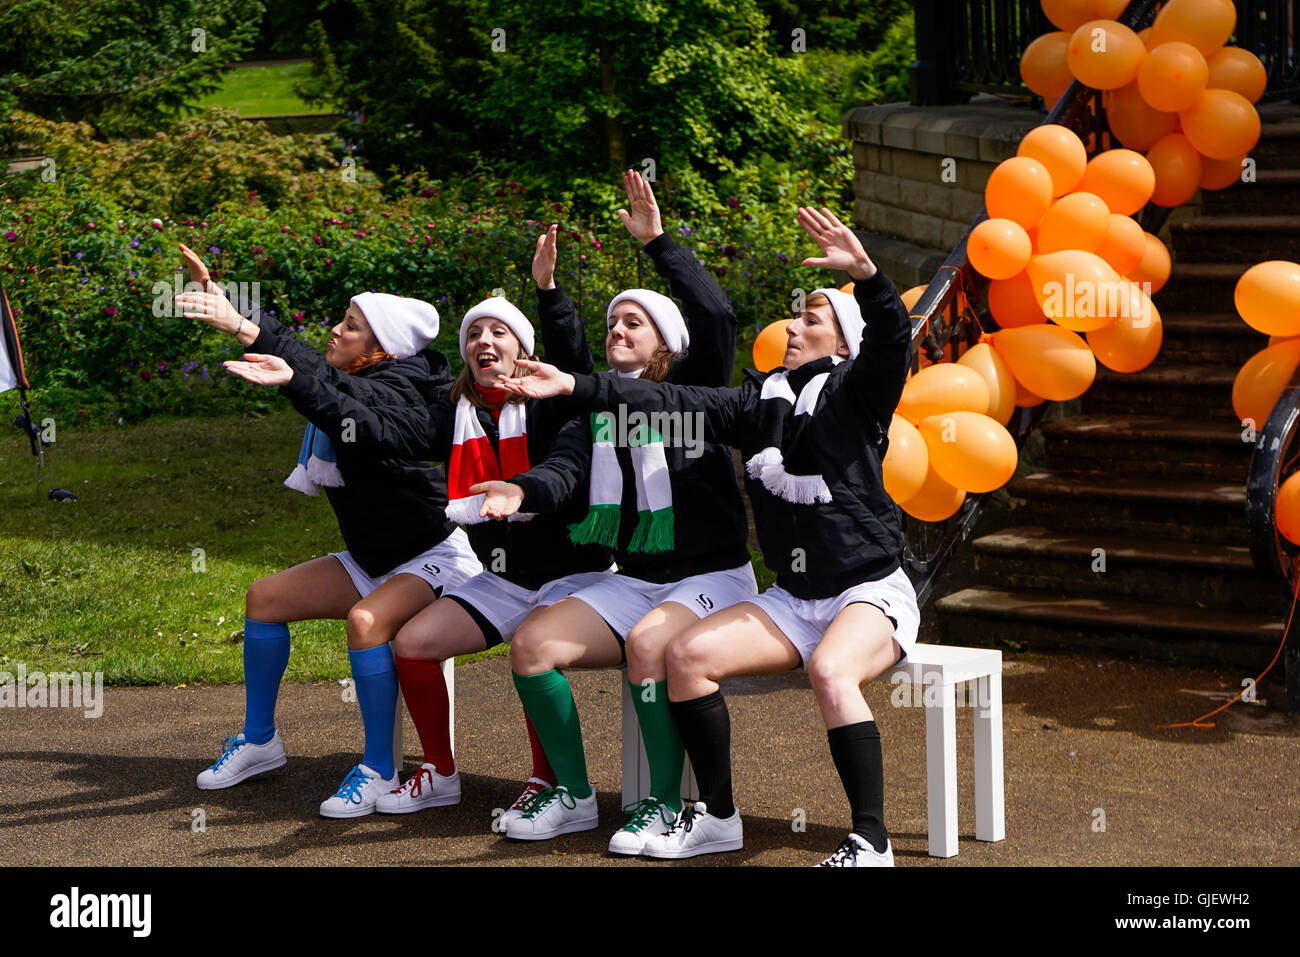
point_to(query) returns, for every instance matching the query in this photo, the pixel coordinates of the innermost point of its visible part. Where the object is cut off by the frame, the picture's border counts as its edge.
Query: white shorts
(623, 600)
(444, 566)
(804, 621)
(498, 606)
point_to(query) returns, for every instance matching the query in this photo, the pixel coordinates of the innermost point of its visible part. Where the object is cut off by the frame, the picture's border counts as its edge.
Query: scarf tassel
(599, 527)
(654, 532)
(768, 467)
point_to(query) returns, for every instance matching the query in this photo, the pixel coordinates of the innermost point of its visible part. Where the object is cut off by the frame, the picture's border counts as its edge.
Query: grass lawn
(264, 90)
(112, 583)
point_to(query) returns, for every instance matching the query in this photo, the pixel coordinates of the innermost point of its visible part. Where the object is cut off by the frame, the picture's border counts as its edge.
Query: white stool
(937, 669)
(449, 675)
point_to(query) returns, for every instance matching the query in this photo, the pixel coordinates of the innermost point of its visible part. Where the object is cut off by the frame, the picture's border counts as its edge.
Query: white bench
(937, 670)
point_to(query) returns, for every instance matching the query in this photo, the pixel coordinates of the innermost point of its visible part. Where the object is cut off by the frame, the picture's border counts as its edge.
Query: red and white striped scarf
(473, 460)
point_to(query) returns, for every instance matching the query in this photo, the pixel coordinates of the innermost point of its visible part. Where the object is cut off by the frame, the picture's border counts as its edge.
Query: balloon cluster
(1173, 91)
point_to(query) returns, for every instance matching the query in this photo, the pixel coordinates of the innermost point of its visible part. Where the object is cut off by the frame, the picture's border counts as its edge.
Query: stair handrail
(940, 321)
(1272, 554)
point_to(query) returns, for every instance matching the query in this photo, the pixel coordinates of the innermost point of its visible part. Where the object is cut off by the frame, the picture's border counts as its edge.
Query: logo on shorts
(432, 568)
(705, 601)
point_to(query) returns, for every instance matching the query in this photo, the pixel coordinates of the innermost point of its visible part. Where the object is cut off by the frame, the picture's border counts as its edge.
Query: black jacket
(819, 550)
(392, 504)
(709, 526)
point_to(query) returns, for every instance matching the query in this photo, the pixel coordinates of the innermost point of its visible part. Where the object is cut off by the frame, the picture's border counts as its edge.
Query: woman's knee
(686, 656)
(647, 650)
(364, 630)
(529, 654)
(259, 602)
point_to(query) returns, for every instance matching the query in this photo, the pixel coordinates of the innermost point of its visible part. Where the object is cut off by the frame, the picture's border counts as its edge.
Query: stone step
(1182, 632)
(1202, 287)
(1279, 142)
(1191, 338)
(1274, 190)
(1148, 445)
(1174, 508)
(1195, 573)
(1207, 238)
(1165, 388)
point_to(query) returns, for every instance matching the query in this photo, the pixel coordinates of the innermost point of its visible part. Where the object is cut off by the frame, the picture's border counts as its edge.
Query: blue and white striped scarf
(316, 466)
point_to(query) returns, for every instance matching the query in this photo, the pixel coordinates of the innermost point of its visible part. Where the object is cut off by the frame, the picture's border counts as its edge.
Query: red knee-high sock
(541, 766)
(425, 691)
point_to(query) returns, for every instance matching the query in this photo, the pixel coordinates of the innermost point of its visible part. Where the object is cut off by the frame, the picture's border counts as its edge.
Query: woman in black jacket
(368, 404)
(813, 435)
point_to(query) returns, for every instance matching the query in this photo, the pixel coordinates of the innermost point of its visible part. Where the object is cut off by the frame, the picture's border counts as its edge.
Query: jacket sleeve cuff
(584, 388)
(268, 332)
(529, 486)
(296, 388)
(660, 245)
(548, 300)
(879, 286)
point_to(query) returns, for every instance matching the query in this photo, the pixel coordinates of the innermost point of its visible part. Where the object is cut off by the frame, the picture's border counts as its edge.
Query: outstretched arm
(564, 340)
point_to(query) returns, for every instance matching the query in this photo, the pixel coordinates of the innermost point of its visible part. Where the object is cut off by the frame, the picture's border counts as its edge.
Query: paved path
(1079, 733)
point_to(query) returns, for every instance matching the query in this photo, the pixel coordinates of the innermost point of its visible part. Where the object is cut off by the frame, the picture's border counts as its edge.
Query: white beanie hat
(499, 307)
(663, 312)
(403, 326)
(848, 315)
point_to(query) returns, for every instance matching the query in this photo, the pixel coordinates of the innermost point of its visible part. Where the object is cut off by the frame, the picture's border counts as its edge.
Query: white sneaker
(554, 812)
(650, 817)
(241, 760)
(358, 793)
(425, 788)
(532, 788)
(696, 831)
(856, 851)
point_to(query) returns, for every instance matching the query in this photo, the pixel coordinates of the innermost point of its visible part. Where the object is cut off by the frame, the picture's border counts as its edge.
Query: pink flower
(110, 310)
(11, 235)
(329, 262)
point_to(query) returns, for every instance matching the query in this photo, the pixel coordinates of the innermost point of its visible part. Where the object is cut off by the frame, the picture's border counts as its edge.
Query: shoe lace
(685, 822)
(847, 851)
(643, 813)
(545, 798)
(414, 785)
(531, 790)
(228, 747)
(350, 789)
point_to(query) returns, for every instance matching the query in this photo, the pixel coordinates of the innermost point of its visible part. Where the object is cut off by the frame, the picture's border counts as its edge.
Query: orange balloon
(1129, 344)
(1067, 14)
(1123, 179)
(998, 248)
(1268, 297)
(1178, 170)
(1145, 36)
(912, 296)
(1220, 174)
(1133, 121)
(943, 387)
(1261, 381)
(906, 462)
(1233, 68)
(1060, 151)
(1013, 303)
(1048, 360)
(1104, 54)
(1043, 66)
(1123, 245)
(1173, 76)
(1075, 221)
(969, 451)
(769, 346)
(1274, 340)
(1079, 290)
(1019, 189)
(1205, 24)
(1026, 399)
(1221, 124)
(1155, 265)
(983, 358)
(935, 501)
(1286, 509)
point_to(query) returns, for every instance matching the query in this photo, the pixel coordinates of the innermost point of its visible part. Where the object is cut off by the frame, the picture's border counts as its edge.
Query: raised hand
(500, 499)
(643, 221)
(211, 307)
(261, 369)
(544, 259)
(545, 382)
(197, 270)
(840, 247)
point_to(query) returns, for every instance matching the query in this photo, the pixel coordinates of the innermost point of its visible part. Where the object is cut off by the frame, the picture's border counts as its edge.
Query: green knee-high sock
(549, 703)
(663, 745)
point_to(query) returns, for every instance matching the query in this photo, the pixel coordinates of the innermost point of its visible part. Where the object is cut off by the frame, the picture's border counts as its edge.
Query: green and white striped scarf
(654, 494)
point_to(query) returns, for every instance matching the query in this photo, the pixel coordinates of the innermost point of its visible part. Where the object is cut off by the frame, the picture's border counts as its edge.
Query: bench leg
(941, 770)
(399, 713)
(990, 821)
(449, 676)
(636, 770)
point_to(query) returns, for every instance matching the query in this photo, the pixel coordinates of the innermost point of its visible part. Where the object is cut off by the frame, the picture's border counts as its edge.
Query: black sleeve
(564, 340)
(394, 422)
(550, 484)
(727, 413)
(880, 369)
(712, 321)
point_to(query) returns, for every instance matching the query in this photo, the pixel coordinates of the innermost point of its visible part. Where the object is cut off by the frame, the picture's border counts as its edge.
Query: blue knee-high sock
(375, 678)
(266, 653)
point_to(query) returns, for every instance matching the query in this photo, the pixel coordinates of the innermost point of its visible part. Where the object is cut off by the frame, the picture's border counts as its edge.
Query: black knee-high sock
(705, 728)
(855, 748)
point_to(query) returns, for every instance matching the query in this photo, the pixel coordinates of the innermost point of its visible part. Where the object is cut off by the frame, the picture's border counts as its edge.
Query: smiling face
(490, 351)
(813, 334)
(350, 339)
(632, 338)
